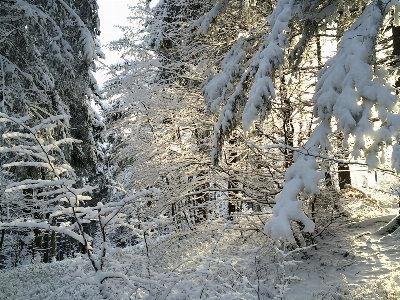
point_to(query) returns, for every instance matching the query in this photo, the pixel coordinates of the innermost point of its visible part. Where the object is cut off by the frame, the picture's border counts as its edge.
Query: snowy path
(351, 265)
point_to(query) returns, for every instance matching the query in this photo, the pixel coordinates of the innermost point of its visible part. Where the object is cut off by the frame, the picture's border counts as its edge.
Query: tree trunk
(36, 243)
(344, 175)
(233, 205)
(3, 233)
(396, 51)
(287, 119)
(53, 240)
(37, 240)
(46, 248)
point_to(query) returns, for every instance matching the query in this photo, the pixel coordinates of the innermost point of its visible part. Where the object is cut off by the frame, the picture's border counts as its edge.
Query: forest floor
(350, 261)
(355, 262)
(355, 265)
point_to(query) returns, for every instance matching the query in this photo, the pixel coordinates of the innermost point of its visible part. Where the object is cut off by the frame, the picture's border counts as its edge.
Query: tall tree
(47, 54)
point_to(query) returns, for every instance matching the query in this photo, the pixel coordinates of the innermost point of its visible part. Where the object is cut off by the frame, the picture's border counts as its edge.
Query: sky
(111, 12)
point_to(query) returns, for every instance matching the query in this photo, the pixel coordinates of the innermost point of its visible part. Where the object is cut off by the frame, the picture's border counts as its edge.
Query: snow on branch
(89, 44)
(231, 68)
(37, 144)
(43, 225)
(266, 62)
(301, 176)
(36, 184)
(206, 20)
(37, 14)
(234, 74)
(354, 92)
(351, 91)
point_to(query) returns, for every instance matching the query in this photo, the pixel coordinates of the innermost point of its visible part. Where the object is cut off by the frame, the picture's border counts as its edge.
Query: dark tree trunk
(53, 240)
(46, 249)
(3, 233)
(395, 223)
(344, 175)
(233, 204)
(287, 119)
(396, 51)
(396, 40)
(37, 242)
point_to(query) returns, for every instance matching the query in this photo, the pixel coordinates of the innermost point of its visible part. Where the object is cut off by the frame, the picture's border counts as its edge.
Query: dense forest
(240, 149)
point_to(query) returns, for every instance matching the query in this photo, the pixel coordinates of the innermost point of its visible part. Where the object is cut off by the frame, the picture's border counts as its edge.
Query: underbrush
(219, 259)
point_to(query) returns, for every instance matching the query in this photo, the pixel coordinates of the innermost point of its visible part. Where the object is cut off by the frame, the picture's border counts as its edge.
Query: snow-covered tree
(47, 54)
(174, 52)
(352, 91)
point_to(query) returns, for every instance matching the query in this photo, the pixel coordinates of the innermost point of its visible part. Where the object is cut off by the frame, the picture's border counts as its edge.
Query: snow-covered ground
(355, 265)
(348, 262)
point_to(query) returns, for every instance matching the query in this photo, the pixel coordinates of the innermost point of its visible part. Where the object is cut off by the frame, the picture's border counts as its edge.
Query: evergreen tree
(47, 54)
(352, 91)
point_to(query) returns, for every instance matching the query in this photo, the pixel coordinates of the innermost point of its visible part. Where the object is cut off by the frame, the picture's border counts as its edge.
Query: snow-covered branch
(349, 90)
